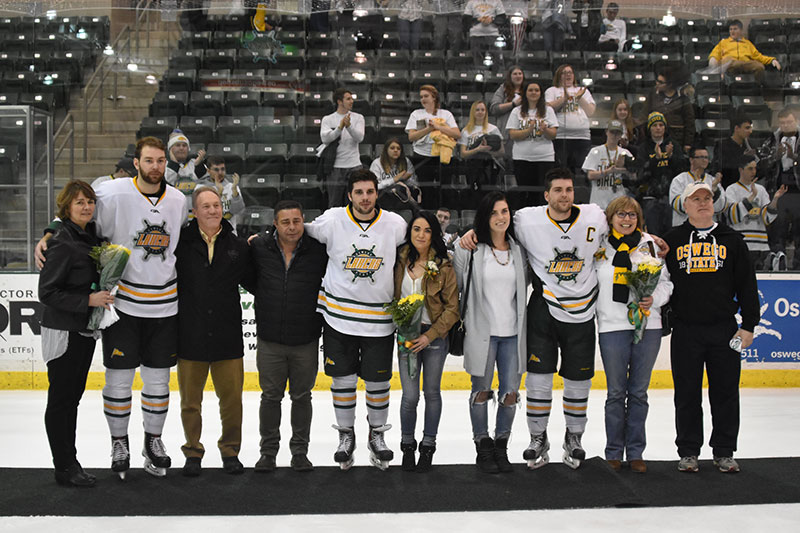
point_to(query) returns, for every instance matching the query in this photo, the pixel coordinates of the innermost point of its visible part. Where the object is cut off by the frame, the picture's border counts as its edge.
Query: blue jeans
(628, 367)
(408, 33)
(503, 351)
(431, 361)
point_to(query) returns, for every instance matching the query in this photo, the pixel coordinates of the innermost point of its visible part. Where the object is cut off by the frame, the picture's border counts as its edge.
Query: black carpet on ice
(32, 491)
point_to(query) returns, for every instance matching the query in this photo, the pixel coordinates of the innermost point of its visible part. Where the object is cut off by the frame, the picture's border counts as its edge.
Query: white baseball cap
(694, 187)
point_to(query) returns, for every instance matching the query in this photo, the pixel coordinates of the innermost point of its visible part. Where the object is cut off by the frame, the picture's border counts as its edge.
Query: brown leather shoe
(615, 465)
(638, 466)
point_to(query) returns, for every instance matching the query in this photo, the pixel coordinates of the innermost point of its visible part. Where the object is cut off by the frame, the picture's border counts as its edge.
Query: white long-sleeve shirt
(750, 218)
(347, 155)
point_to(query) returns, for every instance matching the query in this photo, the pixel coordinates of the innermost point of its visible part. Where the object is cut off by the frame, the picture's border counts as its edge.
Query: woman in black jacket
(65, 289)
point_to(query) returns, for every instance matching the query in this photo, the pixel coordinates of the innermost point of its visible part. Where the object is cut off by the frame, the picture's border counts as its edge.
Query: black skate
(120, 456)
(347, 445)
(379, 454)
(574, 453)
(536, 453)
(156, 460)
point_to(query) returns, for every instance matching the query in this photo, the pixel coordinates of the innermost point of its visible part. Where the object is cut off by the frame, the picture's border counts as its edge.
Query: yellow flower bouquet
(111, 260)
(642, 281)
(407, 316)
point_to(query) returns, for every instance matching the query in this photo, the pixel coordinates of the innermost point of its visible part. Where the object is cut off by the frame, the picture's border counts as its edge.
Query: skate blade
(571, 461)
(535, 464)
(156, 471)
(122, 475)
(346, 465)
(377, 463)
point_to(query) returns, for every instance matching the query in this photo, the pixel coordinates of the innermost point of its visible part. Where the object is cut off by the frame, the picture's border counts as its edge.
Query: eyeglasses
(624, 214)
(661, 82)
(700, 157)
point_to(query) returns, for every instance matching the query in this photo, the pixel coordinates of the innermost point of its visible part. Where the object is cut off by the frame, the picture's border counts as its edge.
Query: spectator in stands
(750, 211)
(433, 132)
(630, 134)
(728, 151)
(124, 169)
(590, 22)
(211, 263)
(614, 31)
(179, 166)
(409, 23)
(228, 189)
(677, 108)
(480, 143)
(517, 14)
(487, 17)
(448, 28)
(737, 55)
(605, 166)
(346, 128)
(779, 160)
(396, 180)
(443, 215)
(532, 126)
(504, 99)
(698, 162)
(573, 106)
(660, 159)
(555, 23)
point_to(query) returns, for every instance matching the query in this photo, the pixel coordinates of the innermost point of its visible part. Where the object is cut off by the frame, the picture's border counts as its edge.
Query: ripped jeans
(503, 351)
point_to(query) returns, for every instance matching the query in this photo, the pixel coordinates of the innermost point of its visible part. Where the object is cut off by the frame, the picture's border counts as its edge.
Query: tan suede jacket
(441, 293)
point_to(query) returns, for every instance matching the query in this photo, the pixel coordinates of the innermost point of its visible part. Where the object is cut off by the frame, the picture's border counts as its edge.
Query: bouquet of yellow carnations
(111, 260)
(642, 281)
(407, 316)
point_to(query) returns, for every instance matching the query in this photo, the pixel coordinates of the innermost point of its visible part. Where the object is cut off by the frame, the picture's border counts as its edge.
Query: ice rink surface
(769, 428)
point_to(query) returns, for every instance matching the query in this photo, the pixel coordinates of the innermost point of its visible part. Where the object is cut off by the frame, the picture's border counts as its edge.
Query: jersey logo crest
(117, 353)
(566, 265)
(363, 263)
(153, 239)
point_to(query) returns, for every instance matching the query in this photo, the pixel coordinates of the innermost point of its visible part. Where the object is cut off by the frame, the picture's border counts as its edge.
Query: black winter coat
(286, 300)
(67, 277)
(209, 309)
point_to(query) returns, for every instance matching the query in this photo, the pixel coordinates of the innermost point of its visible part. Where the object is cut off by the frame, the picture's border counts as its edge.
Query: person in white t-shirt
(487, 16)
(422, 127)
(347, 127)
(573, 106)
(532, 126)
(605, 166)
(480, 143)
(613, 39)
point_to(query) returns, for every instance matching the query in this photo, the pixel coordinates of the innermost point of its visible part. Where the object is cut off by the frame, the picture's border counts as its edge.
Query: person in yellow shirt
(738, 55)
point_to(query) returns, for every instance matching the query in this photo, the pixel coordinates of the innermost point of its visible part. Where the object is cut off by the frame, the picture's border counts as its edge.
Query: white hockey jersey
(125, 216)
(751, 223)
(609, 186)
(359, 279)
(676, 189)
(562, 257)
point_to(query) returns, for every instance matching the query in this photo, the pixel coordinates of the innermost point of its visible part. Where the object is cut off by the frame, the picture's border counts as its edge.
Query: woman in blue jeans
(495, 326)
(627, 365)
(423, 267)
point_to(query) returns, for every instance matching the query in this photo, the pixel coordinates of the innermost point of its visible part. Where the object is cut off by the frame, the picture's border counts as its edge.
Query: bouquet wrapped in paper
(111, 260)
(642, 281)
(407, 316)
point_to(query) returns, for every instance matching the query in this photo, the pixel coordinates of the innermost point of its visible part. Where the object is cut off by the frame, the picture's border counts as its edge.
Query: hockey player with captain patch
(358, 336)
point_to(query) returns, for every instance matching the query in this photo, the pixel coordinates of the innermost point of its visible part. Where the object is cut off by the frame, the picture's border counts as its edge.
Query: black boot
(485, 459)
(74, 476)
(501, 455)
(409, 460)
(425, 457)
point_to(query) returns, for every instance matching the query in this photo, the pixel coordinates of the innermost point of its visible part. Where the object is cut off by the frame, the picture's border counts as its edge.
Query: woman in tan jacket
(423, 267)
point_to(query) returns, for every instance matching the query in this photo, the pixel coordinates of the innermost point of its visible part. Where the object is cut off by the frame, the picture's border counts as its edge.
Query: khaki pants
(734, 66)
(228, 379)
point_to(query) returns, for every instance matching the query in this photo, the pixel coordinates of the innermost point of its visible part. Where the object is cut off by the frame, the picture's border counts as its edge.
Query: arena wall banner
(773, 359)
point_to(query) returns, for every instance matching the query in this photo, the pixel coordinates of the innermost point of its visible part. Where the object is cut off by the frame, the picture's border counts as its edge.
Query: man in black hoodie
(714, 279)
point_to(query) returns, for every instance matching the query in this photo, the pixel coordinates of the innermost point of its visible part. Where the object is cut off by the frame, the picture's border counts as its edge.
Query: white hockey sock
(576, 400)
(117, 399)
(377, 402)
(155, 398)
(539, 399)
(343, 392)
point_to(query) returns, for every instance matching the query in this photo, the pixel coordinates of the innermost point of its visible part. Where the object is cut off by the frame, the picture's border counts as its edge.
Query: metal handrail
(70, 118)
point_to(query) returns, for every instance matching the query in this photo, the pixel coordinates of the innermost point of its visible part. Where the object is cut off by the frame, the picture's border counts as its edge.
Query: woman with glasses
(627, 365)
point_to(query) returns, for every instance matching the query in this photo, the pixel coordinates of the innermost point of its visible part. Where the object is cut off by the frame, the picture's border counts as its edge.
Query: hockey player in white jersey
(358, 336)
(750, 211)
(698, 161)
(144, 215)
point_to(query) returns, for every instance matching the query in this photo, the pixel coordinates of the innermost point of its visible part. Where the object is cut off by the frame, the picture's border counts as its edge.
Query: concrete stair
(121, 118)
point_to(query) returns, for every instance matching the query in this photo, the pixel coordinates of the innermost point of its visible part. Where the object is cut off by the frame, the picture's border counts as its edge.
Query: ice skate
(120, 456)
(536, 453)
(379, 454)
(347, 445)
(156, 460)
(574, 454)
